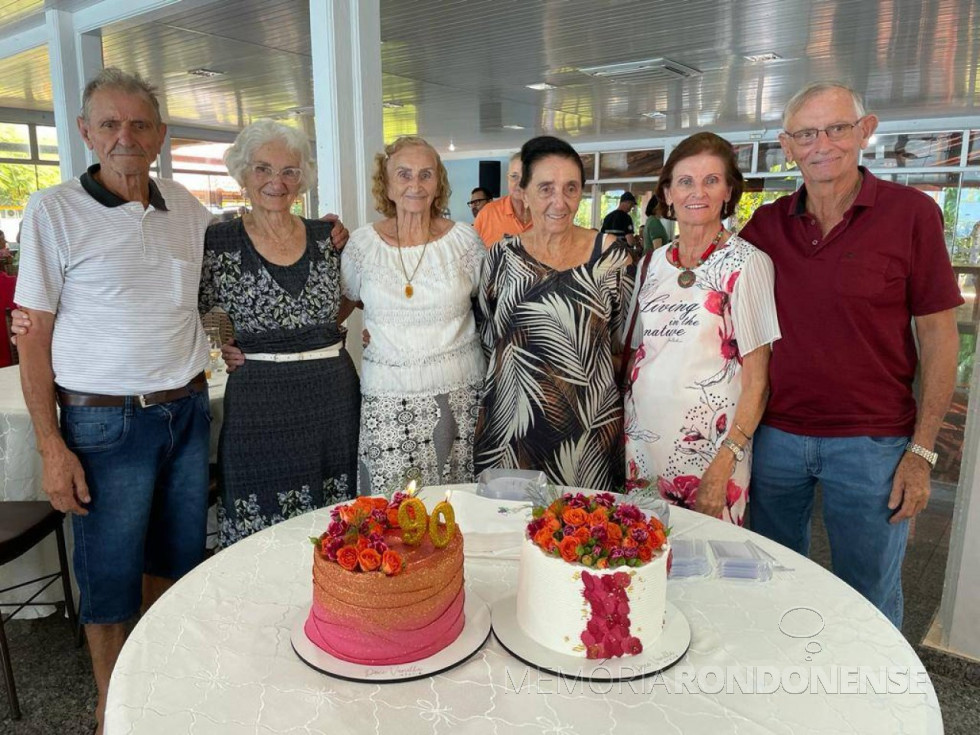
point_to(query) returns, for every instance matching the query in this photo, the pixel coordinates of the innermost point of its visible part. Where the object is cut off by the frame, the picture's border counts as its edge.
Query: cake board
(476, 631)
(667, 650)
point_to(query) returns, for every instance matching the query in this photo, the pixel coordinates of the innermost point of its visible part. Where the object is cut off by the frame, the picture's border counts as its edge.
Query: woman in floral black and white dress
(289, 438)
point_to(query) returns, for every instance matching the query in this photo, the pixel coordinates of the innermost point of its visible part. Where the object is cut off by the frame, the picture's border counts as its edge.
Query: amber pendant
(686, 278)
(409, 290)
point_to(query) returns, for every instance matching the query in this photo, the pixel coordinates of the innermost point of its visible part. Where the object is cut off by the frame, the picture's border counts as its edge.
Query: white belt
(321, 354)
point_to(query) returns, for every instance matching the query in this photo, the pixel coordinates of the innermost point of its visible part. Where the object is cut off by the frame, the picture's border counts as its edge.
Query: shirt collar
(865, 198)
(108, 199)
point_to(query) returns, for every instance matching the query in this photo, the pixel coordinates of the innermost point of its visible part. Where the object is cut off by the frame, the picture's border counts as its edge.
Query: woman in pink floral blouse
(705, 320)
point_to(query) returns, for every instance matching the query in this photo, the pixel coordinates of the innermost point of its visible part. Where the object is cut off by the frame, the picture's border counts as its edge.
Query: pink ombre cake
(373, 619)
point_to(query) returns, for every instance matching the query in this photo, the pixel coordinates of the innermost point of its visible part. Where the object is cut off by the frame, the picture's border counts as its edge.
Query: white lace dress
(422, 372)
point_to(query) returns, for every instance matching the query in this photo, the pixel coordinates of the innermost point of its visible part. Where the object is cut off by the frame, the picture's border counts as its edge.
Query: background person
(289, 437)
(507, 215)
(479, 198)
(553, 300)
(857, 260)
(654, 233)
(619, 222)
(705, 321)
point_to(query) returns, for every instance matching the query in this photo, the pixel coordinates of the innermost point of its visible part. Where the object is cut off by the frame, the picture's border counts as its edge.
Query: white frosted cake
(592, 580)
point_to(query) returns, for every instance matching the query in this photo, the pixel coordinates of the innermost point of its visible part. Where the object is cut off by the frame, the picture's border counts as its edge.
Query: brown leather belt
(198, 383)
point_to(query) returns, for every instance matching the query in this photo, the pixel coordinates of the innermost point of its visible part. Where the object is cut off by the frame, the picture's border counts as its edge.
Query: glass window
(17, 182)
(588, 163)
(744, 153)
(914, 149)
(772, 159)
(760, 191)
(631, 164)
(47, 143)
(15, 141)
(198, 155)
(583, 217)
(973, 155)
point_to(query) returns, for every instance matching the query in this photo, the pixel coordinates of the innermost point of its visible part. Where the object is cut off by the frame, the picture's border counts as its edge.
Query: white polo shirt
(122, 282)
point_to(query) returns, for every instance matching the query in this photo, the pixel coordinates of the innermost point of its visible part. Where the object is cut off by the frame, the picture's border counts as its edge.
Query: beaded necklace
(687, 276)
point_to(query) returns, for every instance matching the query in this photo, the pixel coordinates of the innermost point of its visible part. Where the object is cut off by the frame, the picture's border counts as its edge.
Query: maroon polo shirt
(847, 358)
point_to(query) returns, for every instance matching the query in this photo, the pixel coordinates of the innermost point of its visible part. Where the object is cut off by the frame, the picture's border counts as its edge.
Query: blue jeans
(147, 474)
(855, 474)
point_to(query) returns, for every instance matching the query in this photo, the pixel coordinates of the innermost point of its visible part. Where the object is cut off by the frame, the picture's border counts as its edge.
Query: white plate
(476, 630)
(667, 650)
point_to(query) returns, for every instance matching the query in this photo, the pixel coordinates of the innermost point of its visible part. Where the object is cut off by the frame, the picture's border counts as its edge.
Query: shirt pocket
(861, 275)
(186, 280)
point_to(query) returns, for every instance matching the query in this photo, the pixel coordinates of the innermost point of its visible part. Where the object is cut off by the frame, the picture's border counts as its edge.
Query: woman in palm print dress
(553, 301)
(705, 322)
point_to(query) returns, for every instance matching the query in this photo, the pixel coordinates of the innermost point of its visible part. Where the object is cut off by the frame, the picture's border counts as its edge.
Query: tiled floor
(54, 679)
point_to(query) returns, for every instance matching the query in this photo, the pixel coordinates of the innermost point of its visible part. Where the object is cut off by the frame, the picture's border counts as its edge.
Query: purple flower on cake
(598, 533)
(576, 501)
(379, 516)
(606, 500)
(337, 528)
(639, 535)
(331, 547)
(627, 514)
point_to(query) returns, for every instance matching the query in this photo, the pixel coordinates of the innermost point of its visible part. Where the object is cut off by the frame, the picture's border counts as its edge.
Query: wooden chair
(23, 525)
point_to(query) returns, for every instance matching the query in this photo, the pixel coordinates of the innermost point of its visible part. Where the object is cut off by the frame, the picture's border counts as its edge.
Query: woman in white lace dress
(415, 274)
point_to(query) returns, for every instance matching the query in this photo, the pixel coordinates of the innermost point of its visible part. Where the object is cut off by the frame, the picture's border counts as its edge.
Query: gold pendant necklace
(409, 289)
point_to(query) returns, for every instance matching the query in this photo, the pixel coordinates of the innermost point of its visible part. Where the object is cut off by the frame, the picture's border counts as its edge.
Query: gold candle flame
(410, 488)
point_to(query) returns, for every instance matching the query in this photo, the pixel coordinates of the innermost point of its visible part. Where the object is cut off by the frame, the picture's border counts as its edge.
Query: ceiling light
(762, 58)
(206, 73)
(452, 146)
(540, 86)
(392, 104)
(659, 65)
(872, 140)
(655, 114)
(514, 127)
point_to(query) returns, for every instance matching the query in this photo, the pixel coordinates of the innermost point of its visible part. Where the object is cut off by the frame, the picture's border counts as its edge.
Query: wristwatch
(734, 448)
(920, 450)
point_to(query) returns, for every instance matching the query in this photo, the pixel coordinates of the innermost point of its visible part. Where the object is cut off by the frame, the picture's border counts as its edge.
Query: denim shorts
(147, 474)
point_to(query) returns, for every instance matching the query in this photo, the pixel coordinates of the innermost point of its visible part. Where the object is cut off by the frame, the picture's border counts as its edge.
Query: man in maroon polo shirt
(858, 261)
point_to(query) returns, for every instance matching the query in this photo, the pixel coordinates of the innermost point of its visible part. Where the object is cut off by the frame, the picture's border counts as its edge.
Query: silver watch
(920, 450)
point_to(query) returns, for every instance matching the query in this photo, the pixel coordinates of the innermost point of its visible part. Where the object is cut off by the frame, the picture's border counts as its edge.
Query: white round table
(20, 479)
(214, 656)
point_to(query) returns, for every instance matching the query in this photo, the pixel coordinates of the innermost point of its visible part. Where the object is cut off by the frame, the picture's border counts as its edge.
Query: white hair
(117, 79)
(816, 88)
(257, 134)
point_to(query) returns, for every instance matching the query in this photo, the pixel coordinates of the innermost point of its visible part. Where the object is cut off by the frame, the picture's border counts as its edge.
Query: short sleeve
(207, 293)
(754, 304)
(489, 283)
(473, 258)
(932, 284)
(352, 263)
(620, 299)
(482, 225)
(41, 276)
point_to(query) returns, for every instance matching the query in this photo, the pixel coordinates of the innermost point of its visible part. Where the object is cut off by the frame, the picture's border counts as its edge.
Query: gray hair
(113, 78)
(515, 157)
(261, 132)
(816, 88)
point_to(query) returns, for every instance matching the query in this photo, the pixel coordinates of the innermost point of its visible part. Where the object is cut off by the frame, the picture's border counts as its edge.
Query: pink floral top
(686, 378)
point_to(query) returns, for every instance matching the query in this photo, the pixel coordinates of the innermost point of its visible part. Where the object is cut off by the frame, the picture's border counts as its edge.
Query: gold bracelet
(743, 432)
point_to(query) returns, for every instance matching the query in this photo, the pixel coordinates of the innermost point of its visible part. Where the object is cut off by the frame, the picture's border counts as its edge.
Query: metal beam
(23, 36)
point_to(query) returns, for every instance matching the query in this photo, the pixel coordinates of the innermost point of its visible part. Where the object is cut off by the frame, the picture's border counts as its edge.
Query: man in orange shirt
(507, 215)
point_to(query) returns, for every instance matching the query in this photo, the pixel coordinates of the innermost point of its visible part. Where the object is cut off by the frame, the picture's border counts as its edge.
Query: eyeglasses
(289, 175)
(837, 131)
(471, 202)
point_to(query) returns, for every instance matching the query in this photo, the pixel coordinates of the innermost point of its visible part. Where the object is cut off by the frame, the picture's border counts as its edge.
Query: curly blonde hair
(379, 185)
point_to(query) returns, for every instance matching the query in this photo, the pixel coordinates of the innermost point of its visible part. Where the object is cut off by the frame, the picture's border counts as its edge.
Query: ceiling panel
(459, 67)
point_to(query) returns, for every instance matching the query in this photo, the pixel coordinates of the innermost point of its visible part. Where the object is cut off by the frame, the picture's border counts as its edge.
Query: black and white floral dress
(289, 438)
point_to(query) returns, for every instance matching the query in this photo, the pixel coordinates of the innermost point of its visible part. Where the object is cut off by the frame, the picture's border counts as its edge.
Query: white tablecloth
(20, 479)
(214, 656)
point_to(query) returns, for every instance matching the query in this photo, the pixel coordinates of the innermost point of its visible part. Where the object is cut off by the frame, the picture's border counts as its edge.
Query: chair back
(8, 354)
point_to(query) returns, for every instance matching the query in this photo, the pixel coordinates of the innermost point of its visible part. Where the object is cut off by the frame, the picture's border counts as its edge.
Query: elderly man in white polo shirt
(110, 266)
